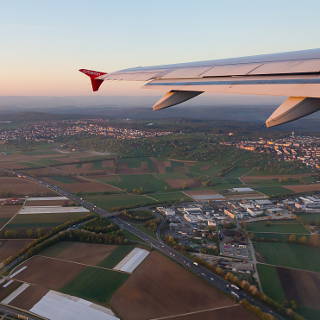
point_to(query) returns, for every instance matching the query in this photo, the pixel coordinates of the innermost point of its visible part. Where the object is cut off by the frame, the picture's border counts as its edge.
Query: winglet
(96, 83)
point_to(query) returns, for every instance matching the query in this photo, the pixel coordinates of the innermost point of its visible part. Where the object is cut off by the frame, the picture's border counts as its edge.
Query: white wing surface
(292, 74)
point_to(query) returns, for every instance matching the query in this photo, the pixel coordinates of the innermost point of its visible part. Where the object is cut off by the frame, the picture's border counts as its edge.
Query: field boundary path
(254, 261)
(196, 312)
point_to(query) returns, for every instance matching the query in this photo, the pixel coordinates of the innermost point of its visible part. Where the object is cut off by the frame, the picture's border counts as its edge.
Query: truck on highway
(235, 295)
(233, 286)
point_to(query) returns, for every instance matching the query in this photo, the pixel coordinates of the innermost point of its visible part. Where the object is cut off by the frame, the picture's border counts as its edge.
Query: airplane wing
(292, 74)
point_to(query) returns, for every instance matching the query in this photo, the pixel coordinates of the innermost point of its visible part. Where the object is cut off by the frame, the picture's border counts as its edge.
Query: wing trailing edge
(295, 75)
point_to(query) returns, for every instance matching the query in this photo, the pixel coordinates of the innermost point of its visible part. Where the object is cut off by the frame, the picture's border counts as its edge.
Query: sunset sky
(45, 42)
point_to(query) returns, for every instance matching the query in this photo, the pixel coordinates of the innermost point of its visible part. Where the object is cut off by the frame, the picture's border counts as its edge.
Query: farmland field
(88, 253)
(273, 191)
(309, 218)
(302, 287)
(64, 179)
(160, 288)
(230, 313)
(115, 256)
(6, 213)
(304, 187)
(170, 197)
(38, 269)
(270, 282)
(292, 285)
(289, 255)
(95, 284)
(280, 226)
(82, 185)
(145, 182)
(11, 247)
(111, 202)
(18, 186)
(29, 297)
(42, 220)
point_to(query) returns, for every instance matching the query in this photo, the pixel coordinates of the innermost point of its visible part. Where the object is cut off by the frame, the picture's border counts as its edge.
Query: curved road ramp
(132, 260)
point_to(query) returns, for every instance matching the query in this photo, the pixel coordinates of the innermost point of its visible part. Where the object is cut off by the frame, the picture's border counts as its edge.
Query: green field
(270, 282)
(42, 220)
(273, 191)
(121, 201)
(116, 256)
(55, 249)
(309, 218)
(143, 182)
(280, 226)
(289, 255)
(95, 284)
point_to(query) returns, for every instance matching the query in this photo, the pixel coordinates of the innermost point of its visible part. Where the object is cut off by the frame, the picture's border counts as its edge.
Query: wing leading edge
(293, 74)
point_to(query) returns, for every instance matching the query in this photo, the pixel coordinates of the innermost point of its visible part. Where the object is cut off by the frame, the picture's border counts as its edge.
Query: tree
(292, 238)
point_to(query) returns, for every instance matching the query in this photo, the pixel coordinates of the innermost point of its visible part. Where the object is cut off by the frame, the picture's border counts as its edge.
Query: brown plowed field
(4, 292)
(11, 247)
(8, 211)
(42, 172)
(29, 297)
(183, 183)
(160, 287)
(19, 186)
(123, 168)
(304, 187)
(83, 186)
(301, 286)
(161, 165)
(87, 253)
(231, 313)
(49, 273)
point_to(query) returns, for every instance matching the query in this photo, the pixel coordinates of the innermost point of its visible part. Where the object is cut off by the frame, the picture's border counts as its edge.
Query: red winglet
(96, 83)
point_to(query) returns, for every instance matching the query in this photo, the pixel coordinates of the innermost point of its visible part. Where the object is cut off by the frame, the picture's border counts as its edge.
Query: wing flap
(292, 109)
(174, 97)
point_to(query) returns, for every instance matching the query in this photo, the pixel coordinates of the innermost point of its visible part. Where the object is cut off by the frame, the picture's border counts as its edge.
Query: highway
(19, 314)
(212, 278)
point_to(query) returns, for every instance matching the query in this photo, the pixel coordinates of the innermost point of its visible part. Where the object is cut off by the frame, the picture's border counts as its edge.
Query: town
(51, 131)
(305, 149)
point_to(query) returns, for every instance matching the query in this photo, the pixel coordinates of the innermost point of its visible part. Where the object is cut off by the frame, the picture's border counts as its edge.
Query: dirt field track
(304, 187)
(159, 288)
(229, 313)
(301, 286)
(17, 186)
(88, 253)
(49, 273)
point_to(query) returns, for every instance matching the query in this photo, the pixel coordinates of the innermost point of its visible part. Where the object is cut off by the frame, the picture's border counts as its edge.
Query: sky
(45, 42)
